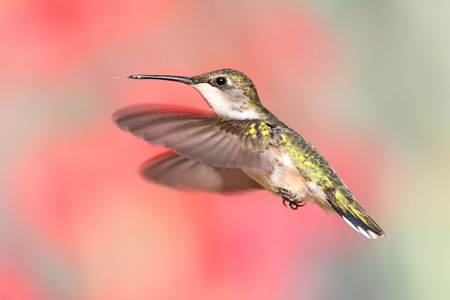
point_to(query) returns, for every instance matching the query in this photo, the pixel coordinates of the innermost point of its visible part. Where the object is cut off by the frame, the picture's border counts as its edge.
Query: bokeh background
(367, 82)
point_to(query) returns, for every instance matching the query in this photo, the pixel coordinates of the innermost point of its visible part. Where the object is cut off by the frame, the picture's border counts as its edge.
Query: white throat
(221, 106)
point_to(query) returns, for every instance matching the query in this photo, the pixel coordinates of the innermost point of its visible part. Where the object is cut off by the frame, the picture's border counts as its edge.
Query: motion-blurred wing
(178, 172)
(201, 137)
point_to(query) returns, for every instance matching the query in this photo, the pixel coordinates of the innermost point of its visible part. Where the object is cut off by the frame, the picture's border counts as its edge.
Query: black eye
(221, 81)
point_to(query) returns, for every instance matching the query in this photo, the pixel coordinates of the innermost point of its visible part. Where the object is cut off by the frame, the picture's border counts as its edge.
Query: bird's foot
(289, 199)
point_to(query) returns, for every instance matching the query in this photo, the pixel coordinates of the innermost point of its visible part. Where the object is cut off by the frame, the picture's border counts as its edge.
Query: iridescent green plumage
(317, 169)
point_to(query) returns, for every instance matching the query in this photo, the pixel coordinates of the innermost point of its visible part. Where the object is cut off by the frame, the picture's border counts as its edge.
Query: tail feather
(345, 204)
(359, 221)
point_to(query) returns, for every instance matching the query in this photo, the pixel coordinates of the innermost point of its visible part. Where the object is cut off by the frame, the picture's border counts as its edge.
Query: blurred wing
(180, 172)
(198, 136)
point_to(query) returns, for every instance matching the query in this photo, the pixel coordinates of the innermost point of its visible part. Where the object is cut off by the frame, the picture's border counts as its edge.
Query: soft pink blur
(82, 225)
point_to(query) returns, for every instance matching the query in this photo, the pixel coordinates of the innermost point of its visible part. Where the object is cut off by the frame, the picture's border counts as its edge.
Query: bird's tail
(344, 203)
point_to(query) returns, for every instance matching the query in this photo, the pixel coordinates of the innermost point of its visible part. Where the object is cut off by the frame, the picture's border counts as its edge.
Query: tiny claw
(289, 199)
(293, 204)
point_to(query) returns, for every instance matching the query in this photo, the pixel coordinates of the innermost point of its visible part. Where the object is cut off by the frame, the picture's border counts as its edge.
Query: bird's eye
(221, 81)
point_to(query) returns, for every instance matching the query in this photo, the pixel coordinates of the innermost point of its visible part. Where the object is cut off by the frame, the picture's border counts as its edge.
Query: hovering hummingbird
(241, 146)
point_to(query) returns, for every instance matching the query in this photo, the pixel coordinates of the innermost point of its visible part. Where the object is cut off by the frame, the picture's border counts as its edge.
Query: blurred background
(366, 82)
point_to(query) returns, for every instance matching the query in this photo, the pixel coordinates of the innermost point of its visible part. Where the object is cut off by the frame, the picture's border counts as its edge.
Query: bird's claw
(293, 204)
(289, 199)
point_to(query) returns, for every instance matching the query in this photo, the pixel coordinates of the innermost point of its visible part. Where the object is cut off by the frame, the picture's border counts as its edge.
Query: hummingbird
(239, 146)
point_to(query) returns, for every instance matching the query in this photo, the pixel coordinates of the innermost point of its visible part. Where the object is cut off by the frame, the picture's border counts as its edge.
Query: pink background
(366, 83)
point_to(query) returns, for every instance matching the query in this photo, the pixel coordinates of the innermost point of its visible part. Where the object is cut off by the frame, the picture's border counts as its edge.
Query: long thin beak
(183, 79)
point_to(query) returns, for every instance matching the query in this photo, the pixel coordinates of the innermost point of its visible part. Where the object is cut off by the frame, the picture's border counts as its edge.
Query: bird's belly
(285, 175)
(263, 178)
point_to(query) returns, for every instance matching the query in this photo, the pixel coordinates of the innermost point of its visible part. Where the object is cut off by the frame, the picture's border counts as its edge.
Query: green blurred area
(401, 50)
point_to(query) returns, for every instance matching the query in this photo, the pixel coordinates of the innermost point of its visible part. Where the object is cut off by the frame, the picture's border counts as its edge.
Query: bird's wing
(237, 144)
(180, 172)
